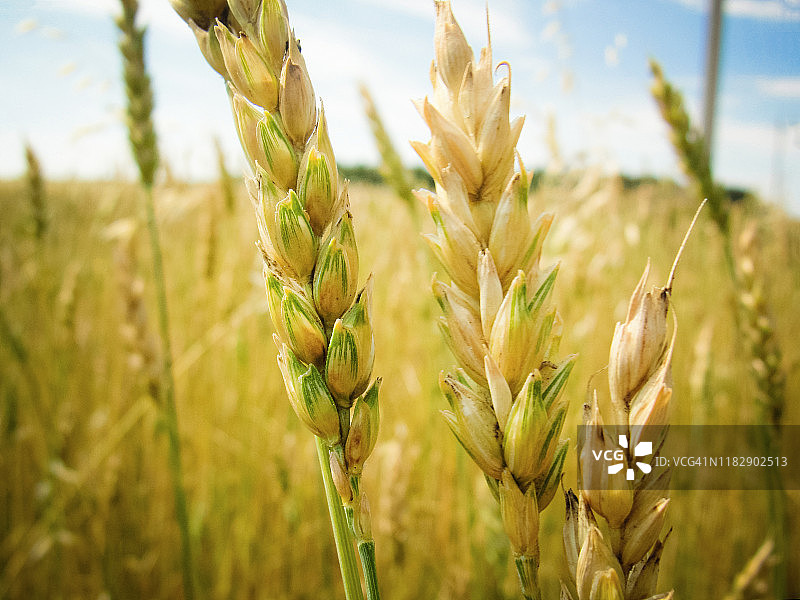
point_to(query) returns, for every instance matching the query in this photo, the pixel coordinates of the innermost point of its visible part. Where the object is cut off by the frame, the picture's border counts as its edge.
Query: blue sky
(581, 62)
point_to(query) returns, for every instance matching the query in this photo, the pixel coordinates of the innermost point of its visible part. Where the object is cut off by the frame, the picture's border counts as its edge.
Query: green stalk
(527, 569)
(169, 410)
(341, 531)
(366, 550)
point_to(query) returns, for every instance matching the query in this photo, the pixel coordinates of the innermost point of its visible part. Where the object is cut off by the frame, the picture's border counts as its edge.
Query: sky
(579, 64)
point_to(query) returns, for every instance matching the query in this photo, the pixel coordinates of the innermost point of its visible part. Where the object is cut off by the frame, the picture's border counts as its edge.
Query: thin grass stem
(168, 406)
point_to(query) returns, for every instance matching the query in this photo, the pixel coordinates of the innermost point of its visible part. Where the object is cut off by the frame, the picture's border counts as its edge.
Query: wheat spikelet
(499, 317)
(322, 321)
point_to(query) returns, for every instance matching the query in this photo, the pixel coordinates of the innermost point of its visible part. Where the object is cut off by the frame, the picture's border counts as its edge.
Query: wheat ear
(767, 359)
(623, 563)
(144, 358)
(322, 322)
(142, 136)
(499, 317)
(35, 185)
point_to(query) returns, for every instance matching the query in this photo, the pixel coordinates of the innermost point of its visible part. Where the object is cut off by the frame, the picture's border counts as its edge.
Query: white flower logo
(642, 449)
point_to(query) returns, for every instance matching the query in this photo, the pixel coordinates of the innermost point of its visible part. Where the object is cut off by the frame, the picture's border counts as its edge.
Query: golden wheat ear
(499, 315)
(621, 561)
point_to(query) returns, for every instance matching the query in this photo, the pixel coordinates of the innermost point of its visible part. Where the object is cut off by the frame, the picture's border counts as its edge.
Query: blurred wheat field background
(86, 509)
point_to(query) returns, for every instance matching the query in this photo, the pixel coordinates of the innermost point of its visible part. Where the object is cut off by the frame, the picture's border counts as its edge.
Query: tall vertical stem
(168, 406)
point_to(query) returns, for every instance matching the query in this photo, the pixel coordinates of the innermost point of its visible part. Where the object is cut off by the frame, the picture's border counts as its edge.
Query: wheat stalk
(142, 136)
(322, 322)
(499, 318)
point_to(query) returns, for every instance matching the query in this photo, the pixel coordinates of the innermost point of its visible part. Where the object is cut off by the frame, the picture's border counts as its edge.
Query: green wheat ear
(323, 323)
(36, 195)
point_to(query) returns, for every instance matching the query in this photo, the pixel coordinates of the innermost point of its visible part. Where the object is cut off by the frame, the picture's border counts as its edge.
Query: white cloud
(414, 8)
(90, 7)
(779, 87)
(693, 4)
(762, 10)
(153, 13)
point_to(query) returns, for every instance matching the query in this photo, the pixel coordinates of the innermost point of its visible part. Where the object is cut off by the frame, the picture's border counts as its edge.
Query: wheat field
(86, 509)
